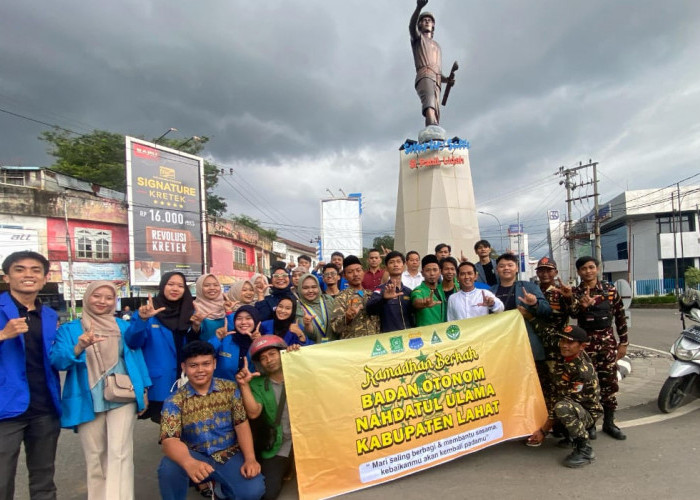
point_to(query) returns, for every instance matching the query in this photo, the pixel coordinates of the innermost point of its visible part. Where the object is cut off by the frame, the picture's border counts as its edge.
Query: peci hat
(575, 333)
(546, 263)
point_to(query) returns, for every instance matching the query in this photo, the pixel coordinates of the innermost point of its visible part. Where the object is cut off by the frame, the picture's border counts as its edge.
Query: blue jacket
(158, 346)
(208, 327)
(268, 328)
(481, 275)
(229, 356)
(77, 399)
(266, 307)
(14, 388)
(540, 309)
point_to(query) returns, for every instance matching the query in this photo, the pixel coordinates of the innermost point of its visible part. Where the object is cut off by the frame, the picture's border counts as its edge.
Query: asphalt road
(656, 461)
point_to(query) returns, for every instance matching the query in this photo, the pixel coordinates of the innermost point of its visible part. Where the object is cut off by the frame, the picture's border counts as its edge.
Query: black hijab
(177, 313)
(281, 327)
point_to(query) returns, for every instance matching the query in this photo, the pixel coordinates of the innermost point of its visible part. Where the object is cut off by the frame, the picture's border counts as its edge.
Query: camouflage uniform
(603, 347)
(577, 404)
(547, 327)
(363, 324)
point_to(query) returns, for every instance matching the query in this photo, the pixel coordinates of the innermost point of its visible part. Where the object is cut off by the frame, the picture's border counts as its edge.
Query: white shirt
(411, 281)
(463, 305)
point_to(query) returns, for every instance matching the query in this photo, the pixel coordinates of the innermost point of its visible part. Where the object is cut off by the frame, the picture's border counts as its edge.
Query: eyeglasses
(330, 275)
(280, 275)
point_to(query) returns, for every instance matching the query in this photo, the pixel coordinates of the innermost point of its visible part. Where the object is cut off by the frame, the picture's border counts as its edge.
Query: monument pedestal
(435, 202)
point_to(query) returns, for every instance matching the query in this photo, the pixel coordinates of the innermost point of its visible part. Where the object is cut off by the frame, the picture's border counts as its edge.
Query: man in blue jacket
(527, 298)
(30, 405)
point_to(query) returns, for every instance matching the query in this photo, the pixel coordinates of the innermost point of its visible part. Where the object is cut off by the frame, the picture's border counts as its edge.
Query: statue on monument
(427, 56)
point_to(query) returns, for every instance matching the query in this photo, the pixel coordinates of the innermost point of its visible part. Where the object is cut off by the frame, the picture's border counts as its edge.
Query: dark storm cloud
(300, 97)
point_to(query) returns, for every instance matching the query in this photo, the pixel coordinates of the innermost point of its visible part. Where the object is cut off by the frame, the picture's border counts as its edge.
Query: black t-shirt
(507, 296)
(40, 401)
(490, 273)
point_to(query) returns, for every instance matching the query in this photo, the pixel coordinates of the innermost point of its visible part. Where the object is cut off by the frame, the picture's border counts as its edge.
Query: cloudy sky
(300, 97)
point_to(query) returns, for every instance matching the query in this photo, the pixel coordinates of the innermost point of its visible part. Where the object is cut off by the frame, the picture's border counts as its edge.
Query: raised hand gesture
(147, 310)
(391, 291)
(197, 317)
(430, 300)
(462, 257)
(586, 300)
(528, 298)
(486, 300)
(230, 305)
(353, 309)
(256, 333)
(308, 319)
(244, 376)
(86, 339)
(261, 288)
(565, 290)
(294, 328)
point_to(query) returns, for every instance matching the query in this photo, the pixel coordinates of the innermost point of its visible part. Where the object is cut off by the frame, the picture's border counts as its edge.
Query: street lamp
(193, 138)
(500, 228)
(171, 129)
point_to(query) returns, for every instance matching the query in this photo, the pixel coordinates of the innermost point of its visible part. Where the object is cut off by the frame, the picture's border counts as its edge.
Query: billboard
(341, 226)
(167, 226)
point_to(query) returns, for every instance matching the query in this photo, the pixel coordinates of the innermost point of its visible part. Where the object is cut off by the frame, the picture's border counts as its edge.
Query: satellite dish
(625, 291)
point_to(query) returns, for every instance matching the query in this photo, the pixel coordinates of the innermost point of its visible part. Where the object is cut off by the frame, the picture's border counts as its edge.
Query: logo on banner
(145, 151)
(166, 172)
(415, 341)
(452, 332)
(435, 339)
(378, 349)
(396, 344)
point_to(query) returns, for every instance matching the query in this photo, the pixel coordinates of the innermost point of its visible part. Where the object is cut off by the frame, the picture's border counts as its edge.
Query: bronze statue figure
(427, 56)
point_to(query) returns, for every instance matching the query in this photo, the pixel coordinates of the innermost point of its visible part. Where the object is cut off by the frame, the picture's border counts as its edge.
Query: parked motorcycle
(684, 376)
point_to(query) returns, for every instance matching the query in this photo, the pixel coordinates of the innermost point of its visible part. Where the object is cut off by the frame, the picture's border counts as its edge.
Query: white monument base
(435, 202)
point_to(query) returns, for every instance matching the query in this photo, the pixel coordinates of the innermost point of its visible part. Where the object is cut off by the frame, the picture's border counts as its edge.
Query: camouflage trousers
(574, 417)
(602, 350)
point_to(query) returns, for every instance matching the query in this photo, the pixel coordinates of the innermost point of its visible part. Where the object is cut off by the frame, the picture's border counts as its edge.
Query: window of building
(666, 223)
(95, 244)
(622, 251)
(239, 255)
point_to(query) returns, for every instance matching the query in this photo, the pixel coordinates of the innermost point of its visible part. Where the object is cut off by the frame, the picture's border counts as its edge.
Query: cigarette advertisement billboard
(166, 197)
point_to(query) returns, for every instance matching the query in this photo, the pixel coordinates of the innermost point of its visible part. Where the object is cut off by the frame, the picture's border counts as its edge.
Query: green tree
(100, 157)
(247, 221)
(692, 277)
(385, 241)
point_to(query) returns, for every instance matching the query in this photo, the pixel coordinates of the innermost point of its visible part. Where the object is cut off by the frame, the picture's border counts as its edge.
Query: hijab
(318, 309)
(242, 339)
(254, 278)
(104, 355)
(177, 313)
(281, 327)
(210, 308)
(235, 291)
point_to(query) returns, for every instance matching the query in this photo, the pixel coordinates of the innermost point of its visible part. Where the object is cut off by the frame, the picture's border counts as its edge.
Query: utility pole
(570, 236)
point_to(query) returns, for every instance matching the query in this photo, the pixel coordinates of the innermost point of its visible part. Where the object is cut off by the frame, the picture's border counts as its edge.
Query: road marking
(683, 410)
(665, 353)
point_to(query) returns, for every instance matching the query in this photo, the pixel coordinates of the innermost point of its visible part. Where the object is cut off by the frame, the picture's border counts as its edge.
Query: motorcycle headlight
(686, 354)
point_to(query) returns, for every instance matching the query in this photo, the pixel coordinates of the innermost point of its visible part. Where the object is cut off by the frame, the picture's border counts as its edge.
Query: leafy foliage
(692, 277)
(100, 158)
(385, 241)
(247, 221)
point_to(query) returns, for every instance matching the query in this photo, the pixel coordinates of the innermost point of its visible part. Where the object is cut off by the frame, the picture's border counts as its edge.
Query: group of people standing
(201, 367)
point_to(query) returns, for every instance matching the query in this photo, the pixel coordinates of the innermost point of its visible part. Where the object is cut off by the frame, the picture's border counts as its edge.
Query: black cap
(546, 263)
(575, 333)
(350, 260)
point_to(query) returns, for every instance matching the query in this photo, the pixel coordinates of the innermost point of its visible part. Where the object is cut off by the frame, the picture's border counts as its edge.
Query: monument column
(435, 202)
